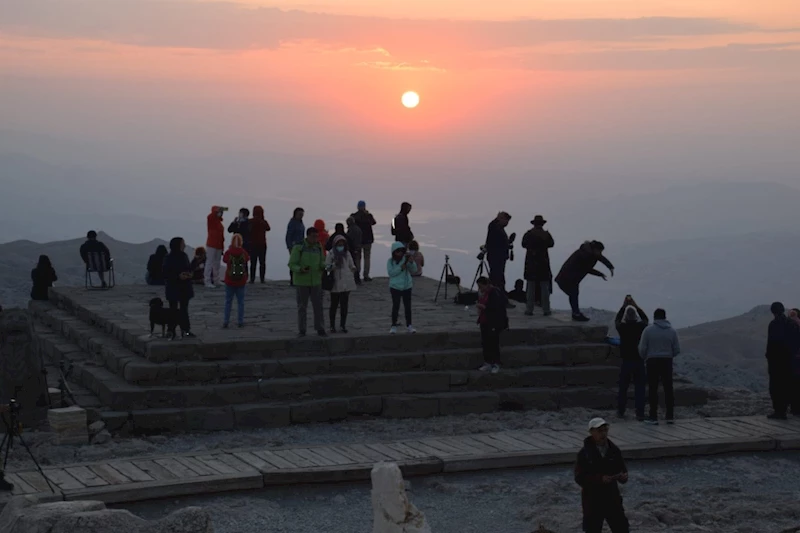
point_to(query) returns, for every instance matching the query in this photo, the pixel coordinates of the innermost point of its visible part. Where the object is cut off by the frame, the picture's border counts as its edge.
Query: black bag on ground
(466, 298)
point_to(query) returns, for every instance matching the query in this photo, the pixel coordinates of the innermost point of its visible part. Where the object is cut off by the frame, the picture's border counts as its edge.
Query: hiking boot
(620, 415)
(777, 416)
(670, 421)
(333, 330)
(5, 485)
(580, 318)
(367, 278)
(485, 367)
(189, 335)
(240, 325)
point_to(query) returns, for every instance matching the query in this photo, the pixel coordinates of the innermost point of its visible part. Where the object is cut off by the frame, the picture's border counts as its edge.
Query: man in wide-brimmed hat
(537, 242)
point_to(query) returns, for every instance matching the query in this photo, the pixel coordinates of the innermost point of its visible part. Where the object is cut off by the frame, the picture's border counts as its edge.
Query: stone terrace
(263, 375)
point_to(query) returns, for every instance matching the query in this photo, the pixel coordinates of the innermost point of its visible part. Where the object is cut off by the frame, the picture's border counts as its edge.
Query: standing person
(493, 320)
(43, 277)
(258, 244)
(178, 288)
(631, 322)
(400, 268)
(537, 243)
(307, 262)
(241, 226)
(338, 230)
(794, 345)
(236, 258)
(324, 235)
(658, 347)
(340, 262)
(199, 265)
(779, 357)
(598, 470)
(401, 228)
(154, 275)
(365, 221)
(295, 234)
(355, 237)
(579, 265)
(93, 246)
(215, 243)
(497, 250)
(416, 255)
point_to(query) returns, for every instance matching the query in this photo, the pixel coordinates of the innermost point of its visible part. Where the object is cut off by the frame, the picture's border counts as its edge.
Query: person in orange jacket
(215, 243)
(319, 224)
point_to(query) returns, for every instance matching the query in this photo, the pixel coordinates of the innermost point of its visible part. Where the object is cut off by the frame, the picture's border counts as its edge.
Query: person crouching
(235, 279)
(598, 470)
(340, 262)
(493, 320)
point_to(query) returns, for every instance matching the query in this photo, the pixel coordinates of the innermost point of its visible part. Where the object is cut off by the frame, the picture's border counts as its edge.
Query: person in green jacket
(307, 262)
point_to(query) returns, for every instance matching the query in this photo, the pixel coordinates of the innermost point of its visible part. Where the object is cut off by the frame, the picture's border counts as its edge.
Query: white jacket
(343, 279)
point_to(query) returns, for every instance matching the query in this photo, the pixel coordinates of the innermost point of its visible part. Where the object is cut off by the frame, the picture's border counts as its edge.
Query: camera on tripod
(14, 407)
(511, 239)
(482, 254)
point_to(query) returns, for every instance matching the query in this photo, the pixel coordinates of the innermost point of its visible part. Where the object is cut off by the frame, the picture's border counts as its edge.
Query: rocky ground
(734, 494)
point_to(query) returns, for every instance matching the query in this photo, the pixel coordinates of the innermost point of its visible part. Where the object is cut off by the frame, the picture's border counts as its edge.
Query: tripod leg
(478, 273)
(441, 278)
(39, 468)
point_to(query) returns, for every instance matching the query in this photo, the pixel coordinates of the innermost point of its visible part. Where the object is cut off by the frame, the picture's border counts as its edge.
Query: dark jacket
(43, 279)
(537, 243)
(579, 265)
(93, 246)
(355, 237)
(630, 333)
(365, 221)
(242, 227)
(295, 233)
(402, 229)
(258, 228)
(590, 468)
(329, 242)
(155, 265)
(497, 244)
(780, 337)
(175, 288)
(496, 313)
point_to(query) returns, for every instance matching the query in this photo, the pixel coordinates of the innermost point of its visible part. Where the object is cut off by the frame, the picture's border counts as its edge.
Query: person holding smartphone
(307, 262)
(631, 322)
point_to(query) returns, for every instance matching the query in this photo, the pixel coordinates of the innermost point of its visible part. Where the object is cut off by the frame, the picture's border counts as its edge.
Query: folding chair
(98, 264)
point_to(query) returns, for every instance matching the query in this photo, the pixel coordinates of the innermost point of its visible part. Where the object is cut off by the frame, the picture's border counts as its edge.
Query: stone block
(115, 420)
(144, 372)
(159, 420)
(359, 363)
(303, 366)
(587, 354)
(526, 399)
(284, 388)
(410, 406)
(488, 381)
(196, 372)
(233, 393)
(391, 509)
(591, 376)
(365, 405)
(522, 356)
(334, 386)
(458, 360)
(184, 396)
(401, 362)
(462, 403)
(459, 379)
(69, 424)
(261, 416)
(238, 370)
(379, 384)
(422, 382)
(541, 377)
(210, 419)
(319, 411)
(588, 397)
(551, 355)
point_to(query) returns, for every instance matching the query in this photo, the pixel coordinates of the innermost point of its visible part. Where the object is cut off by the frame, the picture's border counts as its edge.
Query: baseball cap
(595, 423)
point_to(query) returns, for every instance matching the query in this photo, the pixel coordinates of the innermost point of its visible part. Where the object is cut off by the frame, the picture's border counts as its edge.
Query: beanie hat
(362, 203)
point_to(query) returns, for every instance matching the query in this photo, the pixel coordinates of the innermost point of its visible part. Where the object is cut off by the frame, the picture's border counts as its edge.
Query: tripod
(447, 273)
(12, 430)
(483, 266)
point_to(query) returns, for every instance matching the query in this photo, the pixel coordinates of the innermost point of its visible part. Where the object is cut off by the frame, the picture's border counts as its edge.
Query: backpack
(238, 269)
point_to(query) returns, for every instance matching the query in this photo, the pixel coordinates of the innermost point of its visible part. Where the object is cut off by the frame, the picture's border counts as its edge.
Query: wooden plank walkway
(142, 478)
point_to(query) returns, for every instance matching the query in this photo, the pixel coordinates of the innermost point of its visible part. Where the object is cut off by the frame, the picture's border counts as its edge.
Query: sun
(410, 99)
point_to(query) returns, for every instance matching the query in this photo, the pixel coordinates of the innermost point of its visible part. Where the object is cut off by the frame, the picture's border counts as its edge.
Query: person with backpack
(341, 265)
(401, 229)
(400, 268)
(307, 262)
(236, 258)
(493, 320)
(365, 221)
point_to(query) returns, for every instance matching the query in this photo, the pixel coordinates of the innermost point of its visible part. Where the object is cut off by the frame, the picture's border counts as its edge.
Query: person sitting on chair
(518, 294)
(93, 246)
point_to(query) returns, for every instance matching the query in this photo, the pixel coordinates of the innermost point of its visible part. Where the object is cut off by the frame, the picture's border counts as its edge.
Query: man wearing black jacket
(779, 360)
(598, 470)
(365, 221)
(630, 323)
(401, 228)
(579, 265)
(497, 250)
(94, 247)
(242, 226)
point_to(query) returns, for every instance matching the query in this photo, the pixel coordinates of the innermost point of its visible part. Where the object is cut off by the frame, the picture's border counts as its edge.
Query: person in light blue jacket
(658, 346)
(400, 267)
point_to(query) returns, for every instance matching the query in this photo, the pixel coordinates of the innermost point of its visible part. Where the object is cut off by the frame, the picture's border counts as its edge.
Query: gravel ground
(374, 430)
(732, 494)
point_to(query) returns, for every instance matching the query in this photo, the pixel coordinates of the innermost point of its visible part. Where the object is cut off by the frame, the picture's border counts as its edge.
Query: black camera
(14, 406)
(511, 239)
(482, 253)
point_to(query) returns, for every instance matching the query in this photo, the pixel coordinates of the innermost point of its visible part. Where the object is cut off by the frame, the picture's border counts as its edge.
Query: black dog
(166, 318)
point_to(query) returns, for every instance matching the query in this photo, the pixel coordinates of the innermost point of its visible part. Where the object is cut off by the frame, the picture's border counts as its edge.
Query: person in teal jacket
(307, 262)
(400, 267)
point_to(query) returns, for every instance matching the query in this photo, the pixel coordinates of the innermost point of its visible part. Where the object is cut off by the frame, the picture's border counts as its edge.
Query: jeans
(337, 299)
(258, 255)
(315, 294)
(366, 253)
(635, 370)
(182, 307)
(780, 382)
(614, 515)
(497, 272)
(490, 342)
(659, 370)
(530, 296)
(405, 296)
(572, 293)
(230, 292)
(213, 258)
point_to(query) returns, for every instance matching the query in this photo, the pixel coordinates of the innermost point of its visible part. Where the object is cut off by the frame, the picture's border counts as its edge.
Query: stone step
(75, 321)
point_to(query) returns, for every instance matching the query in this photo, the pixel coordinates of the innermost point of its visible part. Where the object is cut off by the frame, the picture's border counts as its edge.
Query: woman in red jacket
(319, 224)
(235, 279)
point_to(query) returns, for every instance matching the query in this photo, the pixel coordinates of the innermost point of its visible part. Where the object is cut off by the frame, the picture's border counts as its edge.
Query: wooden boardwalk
(143, 478)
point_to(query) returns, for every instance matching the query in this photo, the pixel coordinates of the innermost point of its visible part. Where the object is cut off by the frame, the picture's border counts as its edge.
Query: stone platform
(263, 375)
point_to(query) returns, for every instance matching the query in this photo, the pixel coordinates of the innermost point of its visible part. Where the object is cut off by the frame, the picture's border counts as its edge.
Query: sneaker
(411, 329)
(495, 369)
(580, 318)
(776, 416)
(210, 286)
(189, 335)
(393, 330)
(322, 333)
(485, 367)
(5, 485)
(651, 421)
(367, 278)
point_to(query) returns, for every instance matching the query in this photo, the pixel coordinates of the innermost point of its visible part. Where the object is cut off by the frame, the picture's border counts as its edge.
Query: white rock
(392, 511)
(103, 437)
(97, 427)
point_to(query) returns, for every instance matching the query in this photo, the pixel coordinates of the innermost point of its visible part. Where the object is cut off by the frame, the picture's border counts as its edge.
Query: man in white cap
(599, 470)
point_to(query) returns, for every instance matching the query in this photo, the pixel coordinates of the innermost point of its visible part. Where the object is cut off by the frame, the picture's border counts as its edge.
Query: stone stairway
(152, 385)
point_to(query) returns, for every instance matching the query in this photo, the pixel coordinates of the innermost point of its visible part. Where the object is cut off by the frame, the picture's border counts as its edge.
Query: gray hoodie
(659, 340)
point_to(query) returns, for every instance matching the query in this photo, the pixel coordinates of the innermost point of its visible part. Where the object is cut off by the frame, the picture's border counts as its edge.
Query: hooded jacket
(343, 280)
(175, 264)
(295, 233)
(319, 224)
(659, 341)
(216, 231)
(235, 253)
(579, 265)
(259, 228)
(365, 221)
(355, 236)
(590, 467)
(400, 278)
(402, 228)
(311, 256)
